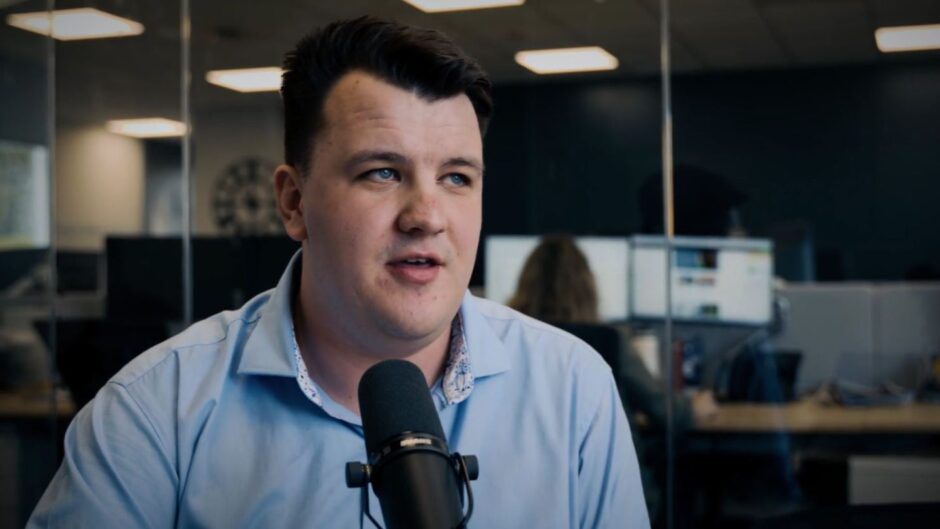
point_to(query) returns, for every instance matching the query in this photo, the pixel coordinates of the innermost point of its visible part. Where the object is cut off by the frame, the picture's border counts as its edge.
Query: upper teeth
(416, 261)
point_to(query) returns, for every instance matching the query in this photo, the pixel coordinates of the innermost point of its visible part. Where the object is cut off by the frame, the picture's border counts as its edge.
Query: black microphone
(417, 481)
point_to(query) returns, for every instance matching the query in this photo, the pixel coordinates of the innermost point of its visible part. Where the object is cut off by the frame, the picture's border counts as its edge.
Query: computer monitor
(144, 278)
(145, 274)
(713, 279)
(608, 257)
(19, 263)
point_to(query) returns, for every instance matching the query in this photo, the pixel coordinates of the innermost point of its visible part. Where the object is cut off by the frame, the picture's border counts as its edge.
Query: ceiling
(127, 77)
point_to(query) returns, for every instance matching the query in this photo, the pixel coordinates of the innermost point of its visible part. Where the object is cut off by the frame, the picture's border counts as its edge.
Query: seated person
(556, 285)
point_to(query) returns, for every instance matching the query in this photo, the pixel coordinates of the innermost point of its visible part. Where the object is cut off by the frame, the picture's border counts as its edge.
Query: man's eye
(457, 179)
(382, 175)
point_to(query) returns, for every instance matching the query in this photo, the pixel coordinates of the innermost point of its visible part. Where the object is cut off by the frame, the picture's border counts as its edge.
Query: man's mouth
(416, 269)
(416, 262)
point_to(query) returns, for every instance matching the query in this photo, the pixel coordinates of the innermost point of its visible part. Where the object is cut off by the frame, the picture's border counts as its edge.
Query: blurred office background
(804, 276)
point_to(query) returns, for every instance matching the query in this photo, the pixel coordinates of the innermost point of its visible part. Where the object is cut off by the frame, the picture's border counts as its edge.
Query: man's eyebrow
(375, 156)
(464, 162)
(399, 159)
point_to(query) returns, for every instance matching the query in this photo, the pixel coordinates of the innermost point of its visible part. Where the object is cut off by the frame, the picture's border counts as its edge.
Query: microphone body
(418, 490)
(412, 473)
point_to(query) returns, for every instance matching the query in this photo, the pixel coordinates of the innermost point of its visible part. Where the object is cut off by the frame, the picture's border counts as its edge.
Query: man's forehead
(363, 113)
(360, 96)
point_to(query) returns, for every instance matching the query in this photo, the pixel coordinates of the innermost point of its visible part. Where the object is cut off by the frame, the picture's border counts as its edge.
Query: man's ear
(288, 192)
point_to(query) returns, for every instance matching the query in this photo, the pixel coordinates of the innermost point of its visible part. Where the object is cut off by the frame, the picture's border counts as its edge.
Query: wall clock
(243, 199)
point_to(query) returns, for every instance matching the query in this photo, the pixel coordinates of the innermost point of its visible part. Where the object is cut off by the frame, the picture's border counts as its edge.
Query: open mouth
(416, 269)
(416, 259)
(424, 262)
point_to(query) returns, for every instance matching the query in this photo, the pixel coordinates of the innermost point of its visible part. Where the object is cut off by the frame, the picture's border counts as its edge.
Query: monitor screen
(713, 279)
(608, 257)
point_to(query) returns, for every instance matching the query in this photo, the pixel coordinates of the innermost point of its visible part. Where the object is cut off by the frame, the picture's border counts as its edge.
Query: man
(248, 418)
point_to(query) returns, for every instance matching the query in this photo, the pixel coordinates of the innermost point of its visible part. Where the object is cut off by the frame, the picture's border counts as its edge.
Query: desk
(34, 405)
(767, 451)
(30, 449)
(810, 417)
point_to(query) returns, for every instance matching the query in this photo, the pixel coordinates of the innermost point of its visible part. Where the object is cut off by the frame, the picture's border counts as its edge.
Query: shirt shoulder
(209, 342)
(552, 371)
(534, 342)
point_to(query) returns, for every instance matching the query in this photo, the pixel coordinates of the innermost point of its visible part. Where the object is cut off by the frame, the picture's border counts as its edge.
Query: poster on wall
(24, 195)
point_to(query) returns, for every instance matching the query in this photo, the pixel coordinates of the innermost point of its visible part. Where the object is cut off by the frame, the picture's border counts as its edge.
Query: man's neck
(337, 364)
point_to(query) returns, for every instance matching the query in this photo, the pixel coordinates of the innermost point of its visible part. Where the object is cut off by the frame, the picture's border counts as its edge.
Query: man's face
(392, 208)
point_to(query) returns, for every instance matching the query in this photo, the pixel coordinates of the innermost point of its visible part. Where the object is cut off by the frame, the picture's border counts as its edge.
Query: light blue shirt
(211, 429)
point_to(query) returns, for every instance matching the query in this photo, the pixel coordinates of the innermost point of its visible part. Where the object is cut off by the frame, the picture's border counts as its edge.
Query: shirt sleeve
(117, 470)
(610, 490)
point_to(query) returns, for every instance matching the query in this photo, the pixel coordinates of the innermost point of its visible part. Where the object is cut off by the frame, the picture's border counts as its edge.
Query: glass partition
(92, 195)
(120, 193)
(119, 190)
(805, 154)
(28, 405)
(147, 177)
(239, 246)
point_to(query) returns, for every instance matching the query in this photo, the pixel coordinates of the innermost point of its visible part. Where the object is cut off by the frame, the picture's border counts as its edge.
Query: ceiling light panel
(267, 79)
(441, 6)
(908, 38)
(567, 60)
(75, 24)
(147, 127)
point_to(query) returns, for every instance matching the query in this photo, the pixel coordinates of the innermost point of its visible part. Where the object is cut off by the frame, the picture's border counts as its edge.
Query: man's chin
(415, 327)
(416, 332)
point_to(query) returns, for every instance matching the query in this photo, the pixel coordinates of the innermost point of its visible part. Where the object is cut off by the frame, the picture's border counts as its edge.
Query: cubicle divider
(868, 333)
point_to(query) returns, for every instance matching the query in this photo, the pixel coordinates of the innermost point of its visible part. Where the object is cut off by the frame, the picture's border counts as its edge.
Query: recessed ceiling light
(76, 24)
(567, 60)
(440, 6)
(147, 127)
(908, 38)
(267, 79)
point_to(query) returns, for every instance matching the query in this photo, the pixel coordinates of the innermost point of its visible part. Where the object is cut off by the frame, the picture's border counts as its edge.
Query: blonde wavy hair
(556, 284)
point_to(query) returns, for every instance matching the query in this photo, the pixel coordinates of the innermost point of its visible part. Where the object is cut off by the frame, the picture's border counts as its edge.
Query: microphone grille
(394, 399)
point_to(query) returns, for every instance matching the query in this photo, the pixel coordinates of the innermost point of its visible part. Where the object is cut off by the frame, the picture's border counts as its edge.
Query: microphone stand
(359, 475)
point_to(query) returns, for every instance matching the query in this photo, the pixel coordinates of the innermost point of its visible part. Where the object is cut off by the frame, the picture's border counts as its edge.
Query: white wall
(99, 179)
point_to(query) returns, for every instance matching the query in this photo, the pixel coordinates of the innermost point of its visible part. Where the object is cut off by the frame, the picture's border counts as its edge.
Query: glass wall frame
(794, 131)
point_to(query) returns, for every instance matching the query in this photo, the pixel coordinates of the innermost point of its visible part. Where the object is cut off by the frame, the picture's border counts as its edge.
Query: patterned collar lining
(458, 377)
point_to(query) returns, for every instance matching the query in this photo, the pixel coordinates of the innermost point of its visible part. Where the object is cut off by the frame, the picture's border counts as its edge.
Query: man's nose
(422, 212)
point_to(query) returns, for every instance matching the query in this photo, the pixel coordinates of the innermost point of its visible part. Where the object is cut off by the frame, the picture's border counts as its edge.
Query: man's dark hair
(423, 60)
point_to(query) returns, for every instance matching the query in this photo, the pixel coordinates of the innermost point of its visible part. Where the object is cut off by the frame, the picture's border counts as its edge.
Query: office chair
(604, 339)
(757, 375)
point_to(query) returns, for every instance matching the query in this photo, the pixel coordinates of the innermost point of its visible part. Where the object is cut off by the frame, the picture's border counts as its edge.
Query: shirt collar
(270, 348)
(488, 354)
